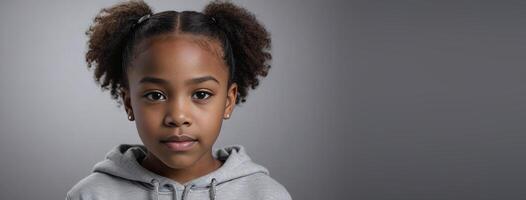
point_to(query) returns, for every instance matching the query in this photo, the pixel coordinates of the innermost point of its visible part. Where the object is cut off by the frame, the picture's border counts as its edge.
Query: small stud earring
(227, 116)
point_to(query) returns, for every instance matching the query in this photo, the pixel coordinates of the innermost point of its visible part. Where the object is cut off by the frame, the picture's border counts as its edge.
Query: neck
(201, 167)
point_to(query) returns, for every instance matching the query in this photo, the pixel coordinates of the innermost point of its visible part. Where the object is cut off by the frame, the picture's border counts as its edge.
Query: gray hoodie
(120, 176)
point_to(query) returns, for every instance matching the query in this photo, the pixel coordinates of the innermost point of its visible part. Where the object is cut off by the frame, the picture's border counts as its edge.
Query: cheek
(208, 119)
(148, 121)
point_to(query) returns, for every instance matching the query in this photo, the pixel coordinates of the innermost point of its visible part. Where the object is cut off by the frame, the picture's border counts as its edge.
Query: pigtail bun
(249, 40)
(108, 36)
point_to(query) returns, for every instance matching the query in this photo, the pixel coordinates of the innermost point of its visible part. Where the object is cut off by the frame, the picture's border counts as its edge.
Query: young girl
(178, 74)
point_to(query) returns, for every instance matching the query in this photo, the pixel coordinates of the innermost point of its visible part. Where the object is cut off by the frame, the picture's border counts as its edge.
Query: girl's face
(178, 87)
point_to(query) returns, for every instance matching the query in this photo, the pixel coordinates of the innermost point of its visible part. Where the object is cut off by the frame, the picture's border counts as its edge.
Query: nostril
(175, 122)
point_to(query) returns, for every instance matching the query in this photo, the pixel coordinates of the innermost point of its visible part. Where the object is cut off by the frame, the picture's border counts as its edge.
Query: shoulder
(97, 186)
(265, 187)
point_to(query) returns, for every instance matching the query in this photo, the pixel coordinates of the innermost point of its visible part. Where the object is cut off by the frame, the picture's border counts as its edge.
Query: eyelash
(149, 93)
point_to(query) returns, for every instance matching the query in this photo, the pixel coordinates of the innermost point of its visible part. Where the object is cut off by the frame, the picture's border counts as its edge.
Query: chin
(180, 161)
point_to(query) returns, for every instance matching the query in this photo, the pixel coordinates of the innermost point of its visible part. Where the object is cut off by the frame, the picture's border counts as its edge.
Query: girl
(178, 74)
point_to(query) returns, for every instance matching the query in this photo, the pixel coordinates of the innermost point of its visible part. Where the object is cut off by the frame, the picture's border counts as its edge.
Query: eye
(202, 95)
(155, 96)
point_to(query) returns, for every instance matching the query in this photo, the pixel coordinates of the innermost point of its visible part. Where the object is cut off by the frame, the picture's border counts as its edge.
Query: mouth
(179, 143)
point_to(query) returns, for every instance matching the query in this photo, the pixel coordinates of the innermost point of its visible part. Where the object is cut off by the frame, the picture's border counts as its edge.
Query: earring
(130, 116)
(227, 116)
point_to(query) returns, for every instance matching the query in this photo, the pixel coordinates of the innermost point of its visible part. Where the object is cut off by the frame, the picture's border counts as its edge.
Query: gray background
(366, 99)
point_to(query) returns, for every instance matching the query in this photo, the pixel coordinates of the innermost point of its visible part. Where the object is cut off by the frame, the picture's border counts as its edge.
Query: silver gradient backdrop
(365, 100)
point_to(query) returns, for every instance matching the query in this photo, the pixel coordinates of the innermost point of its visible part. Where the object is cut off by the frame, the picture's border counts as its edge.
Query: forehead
(178, 57)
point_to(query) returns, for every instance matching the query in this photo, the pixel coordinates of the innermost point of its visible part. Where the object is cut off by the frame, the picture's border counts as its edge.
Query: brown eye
(155, 96)
(202, 95)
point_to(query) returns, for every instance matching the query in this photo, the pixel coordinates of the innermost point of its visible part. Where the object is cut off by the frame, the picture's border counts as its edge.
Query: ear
(126, 100)
(231, 99)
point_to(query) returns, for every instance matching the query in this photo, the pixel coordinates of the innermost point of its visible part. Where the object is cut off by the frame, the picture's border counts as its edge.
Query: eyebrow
(197, 80)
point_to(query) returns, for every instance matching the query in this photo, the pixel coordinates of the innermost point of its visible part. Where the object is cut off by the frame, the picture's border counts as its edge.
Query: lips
(179, 138)
(179, 142)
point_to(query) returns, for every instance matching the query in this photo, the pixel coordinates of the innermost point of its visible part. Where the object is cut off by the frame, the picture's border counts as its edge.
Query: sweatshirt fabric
(120, 176)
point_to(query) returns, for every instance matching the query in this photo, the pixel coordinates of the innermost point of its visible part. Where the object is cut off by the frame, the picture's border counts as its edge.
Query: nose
(177, 114)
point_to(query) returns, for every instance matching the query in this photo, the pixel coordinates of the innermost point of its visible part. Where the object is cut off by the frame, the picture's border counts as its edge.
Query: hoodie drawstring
(186, 191)
(213, 189)
(155, 183)
(174, 193)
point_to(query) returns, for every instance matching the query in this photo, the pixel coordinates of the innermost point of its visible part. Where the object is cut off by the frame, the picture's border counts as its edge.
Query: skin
(177, 106)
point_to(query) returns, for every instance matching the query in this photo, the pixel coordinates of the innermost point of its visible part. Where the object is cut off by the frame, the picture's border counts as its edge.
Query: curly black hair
(115, 32)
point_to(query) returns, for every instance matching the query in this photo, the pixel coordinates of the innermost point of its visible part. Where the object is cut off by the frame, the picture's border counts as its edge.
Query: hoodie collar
(122, 161)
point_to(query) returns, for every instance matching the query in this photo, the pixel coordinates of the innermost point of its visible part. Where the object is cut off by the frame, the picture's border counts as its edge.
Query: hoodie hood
(123, 161)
